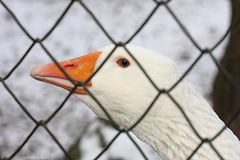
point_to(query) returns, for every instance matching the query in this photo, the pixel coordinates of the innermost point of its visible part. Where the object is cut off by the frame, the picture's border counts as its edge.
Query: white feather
(126, 93)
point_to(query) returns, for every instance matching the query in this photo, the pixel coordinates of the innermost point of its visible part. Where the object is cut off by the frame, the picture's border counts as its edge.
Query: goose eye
(123, 62)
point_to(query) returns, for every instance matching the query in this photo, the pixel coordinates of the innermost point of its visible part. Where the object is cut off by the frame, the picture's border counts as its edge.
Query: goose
(126, 93)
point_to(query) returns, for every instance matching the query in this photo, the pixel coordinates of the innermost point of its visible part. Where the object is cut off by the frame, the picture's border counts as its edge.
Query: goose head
(120, 85)
(126, 92)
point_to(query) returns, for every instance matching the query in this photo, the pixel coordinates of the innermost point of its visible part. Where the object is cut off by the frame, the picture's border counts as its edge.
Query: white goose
(126, 93)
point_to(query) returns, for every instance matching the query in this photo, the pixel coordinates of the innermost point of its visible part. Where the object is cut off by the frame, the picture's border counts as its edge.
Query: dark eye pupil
(124, 63)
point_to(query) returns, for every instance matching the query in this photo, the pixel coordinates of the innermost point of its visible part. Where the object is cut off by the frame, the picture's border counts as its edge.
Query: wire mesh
(158, 4)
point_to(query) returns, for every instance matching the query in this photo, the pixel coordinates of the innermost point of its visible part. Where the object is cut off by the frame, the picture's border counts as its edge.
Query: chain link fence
(44, 123)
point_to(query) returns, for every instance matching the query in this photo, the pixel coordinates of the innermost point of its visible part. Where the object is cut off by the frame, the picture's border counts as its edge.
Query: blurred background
(76, 127)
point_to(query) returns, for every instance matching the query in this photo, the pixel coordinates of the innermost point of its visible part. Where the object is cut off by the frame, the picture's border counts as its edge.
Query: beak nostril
(70, 66)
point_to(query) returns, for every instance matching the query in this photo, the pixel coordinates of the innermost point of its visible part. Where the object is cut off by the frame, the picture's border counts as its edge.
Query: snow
(78, 34)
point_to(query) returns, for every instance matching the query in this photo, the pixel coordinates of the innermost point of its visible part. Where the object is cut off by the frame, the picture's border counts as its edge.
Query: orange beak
(78, 69)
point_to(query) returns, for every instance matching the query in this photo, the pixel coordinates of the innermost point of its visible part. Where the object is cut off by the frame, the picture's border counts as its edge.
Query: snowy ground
(77, 35)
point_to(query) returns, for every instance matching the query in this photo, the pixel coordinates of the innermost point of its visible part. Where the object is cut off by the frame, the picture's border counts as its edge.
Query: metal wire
(158, 4)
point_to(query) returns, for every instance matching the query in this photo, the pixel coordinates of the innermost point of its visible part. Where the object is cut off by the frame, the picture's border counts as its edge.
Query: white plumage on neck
(126, 93)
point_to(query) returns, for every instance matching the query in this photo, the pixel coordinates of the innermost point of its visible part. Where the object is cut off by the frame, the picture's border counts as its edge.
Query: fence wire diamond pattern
(44, 123)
